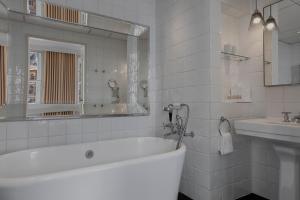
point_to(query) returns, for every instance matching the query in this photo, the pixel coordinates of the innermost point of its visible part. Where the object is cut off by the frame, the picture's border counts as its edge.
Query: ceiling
(236, 8)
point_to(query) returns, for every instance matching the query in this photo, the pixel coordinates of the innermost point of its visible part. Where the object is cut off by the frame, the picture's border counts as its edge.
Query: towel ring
(223, 120)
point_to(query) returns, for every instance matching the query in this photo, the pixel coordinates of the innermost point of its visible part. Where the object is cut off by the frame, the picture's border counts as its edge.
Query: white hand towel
(226, 146)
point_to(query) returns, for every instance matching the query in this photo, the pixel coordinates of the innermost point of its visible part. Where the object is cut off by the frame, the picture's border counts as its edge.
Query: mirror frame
(61, 24)
(264, 62)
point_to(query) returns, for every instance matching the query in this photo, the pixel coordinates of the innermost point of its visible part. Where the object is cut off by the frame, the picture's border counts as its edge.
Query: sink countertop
(269, 128)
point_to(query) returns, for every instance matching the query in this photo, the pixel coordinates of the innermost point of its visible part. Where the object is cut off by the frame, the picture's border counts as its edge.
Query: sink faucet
(296, 119)
(180, 125)
(286, 117)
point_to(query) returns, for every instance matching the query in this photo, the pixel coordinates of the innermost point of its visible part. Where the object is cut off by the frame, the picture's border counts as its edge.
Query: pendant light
(256, 18)
(271, 24)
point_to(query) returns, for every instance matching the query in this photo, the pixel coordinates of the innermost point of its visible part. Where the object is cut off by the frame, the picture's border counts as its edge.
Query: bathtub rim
(23, 181)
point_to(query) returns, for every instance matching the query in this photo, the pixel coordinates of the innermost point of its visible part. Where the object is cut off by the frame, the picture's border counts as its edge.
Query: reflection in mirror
(63, 62)
(55, 72)
(115, 91)
(282, 47)
(56, 12)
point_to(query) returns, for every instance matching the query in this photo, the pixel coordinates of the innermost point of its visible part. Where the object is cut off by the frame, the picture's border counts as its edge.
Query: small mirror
(57, 61)
(282, 47)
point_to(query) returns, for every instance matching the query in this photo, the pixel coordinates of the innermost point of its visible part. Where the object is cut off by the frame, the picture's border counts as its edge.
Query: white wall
(188, 47)
(22, 135)
(183, 52)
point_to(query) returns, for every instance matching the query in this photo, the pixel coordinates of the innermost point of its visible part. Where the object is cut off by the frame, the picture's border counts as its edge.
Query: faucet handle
(286, 117)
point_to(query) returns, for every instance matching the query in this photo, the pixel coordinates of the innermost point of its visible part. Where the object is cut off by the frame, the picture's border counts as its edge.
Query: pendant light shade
(256, 18)
(271, 24)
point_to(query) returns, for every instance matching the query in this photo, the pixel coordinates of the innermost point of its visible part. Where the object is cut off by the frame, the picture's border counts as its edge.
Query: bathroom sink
(285, 137)
(283, 123)
(269, 128)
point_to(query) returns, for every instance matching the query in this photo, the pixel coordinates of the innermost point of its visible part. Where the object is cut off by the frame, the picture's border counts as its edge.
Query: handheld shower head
(169, 109)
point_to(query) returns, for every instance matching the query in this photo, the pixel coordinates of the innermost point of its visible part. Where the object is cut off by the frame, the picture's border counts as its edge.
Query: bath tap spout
(180, 126)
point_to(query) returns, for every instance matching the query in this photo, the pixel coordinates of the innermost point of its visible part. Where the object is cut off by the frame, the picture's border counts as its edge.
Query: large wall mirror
(58, 62)
(282, 46)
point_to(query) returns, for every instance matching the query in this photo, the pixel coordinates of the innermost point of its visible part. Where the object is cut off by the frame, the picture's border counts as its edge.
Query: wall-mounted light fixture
(271, 24)
(256, 18)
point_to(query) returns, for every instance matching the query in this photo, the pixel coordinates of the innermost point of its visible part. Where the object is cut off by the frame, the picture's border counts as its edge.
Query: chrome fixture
(89, 154)
(115, 91)
(144, 86)
(286, 117)
(180, 125)
(256, 18)
(296, 119)
(271, 24)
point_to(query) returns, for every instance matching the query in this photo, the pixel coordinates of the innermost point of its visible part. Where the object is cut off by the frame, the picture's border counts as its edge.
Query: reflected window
(56, 12)
(55, 75)
(61, 13)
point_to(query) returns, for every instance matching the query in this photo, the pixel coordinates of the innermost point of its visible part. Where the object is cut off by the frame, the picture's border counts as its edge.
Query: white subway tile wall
(185, 39)
(15, 136)
(185, 66)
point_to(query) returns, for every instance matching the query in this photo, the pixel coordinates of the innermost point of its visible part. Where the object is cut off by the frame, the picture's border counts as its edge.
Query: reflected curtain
(61, 13)
(59, 78)
(63, 113)
(3, 63)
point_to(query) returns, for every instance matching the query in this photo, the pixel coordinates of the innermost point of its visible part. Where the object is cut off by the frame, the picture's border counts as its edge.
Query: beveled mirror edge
(147, 27)
(20, 119)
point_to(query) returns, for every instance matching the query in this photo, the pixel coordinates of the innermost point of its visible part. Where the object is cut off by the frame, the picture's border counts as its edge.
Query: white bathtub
(124, 169)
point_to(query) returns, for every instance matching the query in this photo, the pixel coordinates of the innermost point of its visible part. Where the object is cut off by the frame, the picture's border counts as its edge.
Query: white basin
(286, 142)
(269, 128)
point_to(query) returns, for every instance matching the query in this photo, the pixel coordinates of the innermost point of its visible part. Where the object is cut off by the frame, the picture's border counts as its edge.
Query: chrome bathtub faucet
(180, 125)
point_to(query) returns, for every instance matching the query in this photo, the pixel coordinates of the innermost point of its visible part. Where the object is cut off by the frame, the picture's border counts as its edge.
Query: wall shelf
(234, 57)
(267, 62)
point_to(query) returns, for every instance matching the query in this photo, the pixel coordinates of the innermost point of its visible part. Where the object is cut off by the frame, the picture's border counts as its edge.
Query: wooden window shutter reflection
(59, 78)
(61, 13)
